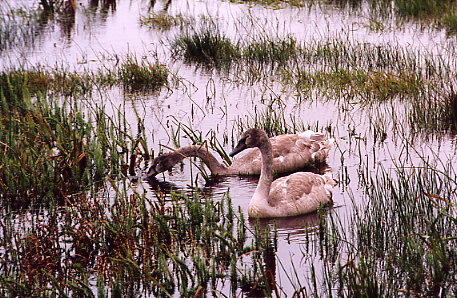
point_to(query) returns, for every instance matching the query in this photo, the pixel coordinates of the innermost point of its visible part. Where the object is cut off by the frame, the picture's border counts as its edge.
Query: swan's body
(291, 152)
(298, 193)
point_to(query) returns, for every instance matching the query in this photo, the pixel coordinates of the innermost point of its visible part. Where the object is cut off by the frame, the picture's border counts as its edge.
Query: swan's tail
(320, 145)
(329, 181)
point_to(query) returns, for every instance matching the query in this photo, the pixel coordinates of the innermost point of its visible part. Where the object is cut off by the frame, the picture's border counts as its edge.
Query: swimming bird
(296, 194)
(291, 152)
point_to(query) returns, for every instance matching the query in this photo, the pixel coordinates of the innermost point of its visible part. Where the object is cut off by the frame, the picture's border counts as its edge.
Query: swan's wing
(299, 193)
(291, 152)
(249, 163)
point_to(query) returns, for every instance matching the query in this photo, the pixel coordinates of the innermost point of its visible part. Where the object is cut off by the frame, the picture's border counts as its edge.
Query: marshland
(92, 91)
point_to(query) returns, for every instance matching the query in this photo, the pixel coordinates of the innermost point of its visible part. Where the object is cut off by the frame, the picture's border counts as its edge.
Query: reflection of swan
(296, 224)
(290, 152)
(298, 193)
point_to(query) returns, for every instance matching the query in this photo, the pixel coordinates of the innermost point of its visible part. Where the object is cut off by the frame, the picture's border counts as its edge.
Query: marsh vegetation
(90, 93)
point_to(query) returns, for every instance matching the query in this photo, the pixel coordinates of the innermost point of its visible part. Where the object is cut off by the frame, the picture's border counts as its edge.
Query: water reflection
(104, 7)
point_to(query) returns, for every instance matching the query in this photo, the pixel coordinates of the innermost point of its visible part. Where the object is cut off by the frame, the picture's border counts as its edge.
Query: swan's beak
(151, 173)
(240, 147)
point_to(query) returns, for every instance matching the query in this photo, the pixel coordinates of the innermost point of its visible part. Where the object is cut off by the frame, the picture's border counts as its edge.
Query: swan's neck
(201, 152)
(266, 175)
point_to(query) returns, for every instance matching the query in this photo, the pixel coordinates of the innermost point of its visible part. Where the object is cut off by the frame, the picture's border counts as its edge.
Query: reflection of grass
(438, 114)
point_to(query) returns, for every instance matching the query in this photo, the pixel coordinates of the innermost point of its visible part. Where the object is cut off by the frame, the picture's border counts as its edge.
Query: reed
(186, 245)
(404, 237)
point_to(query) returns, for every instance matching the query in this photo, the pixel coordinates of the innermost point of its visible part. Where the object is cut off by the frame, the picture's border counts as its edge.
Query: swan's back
(291, 152)
(296, 194)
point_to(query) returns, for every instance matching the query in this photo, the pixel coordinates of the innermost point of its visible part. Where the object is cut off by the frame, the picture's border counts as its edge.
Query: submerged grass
(130, 73)
(163, 21)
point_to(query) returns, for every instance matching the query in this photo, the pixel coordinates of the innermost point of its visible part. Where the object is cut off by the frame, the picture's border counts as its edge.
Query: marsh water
(369, 136)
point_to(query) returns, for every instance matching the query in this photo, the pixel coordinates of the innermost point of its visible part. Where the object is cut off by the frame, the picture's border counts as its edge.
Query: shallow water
(211, 101)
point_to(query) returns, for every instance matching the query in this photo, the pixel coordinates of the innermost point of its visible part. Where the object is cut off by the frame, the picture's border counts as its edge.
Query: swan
(291, 152)
(296, 194)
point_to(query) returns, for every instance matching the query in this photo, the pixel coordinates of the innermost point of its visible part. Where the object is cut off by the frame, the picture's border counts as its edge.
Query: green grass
(206, 46)
(423, 8)
(450, 22)
(267, 50)
(163, 21)
(53, 147)
(143, 75)
(181, 246)
(404, 240)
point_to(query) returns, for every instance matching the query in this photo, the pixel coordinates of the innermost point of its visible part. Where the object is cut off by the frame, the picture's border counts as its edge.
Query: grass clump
(450, 21)
(207, 46)
(164, 21)
(142, 76)
(422, 8)
(370, 85)
(270, 51)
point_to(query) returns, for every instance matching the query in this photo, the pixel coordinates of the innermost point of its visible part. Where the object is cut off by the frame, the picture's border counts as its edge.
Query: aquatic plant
(142, 75)
(207, 46)
(268, 50)
(404, 239)
(163, 21)
(52, 150)
(184, 244)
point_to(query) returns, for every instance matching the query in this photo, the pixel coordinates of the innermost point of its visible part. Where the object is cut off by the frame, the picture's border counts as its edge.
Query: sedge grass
(207, 46)
(163, 21)
(403, 238)
(180, 247)
(54, 146)
(142, 75)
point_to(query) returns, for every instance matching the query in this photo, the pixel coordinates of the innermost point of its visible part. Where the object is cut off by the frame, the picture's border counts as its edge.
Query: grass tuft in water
(142, 75)
(207, 46)
(269, 51)
(163, 21)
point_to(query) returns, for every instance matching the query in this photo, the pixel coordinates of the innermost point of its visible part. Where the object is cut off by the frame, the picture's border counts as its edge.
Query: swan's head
(251, 138)
(162, 163)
